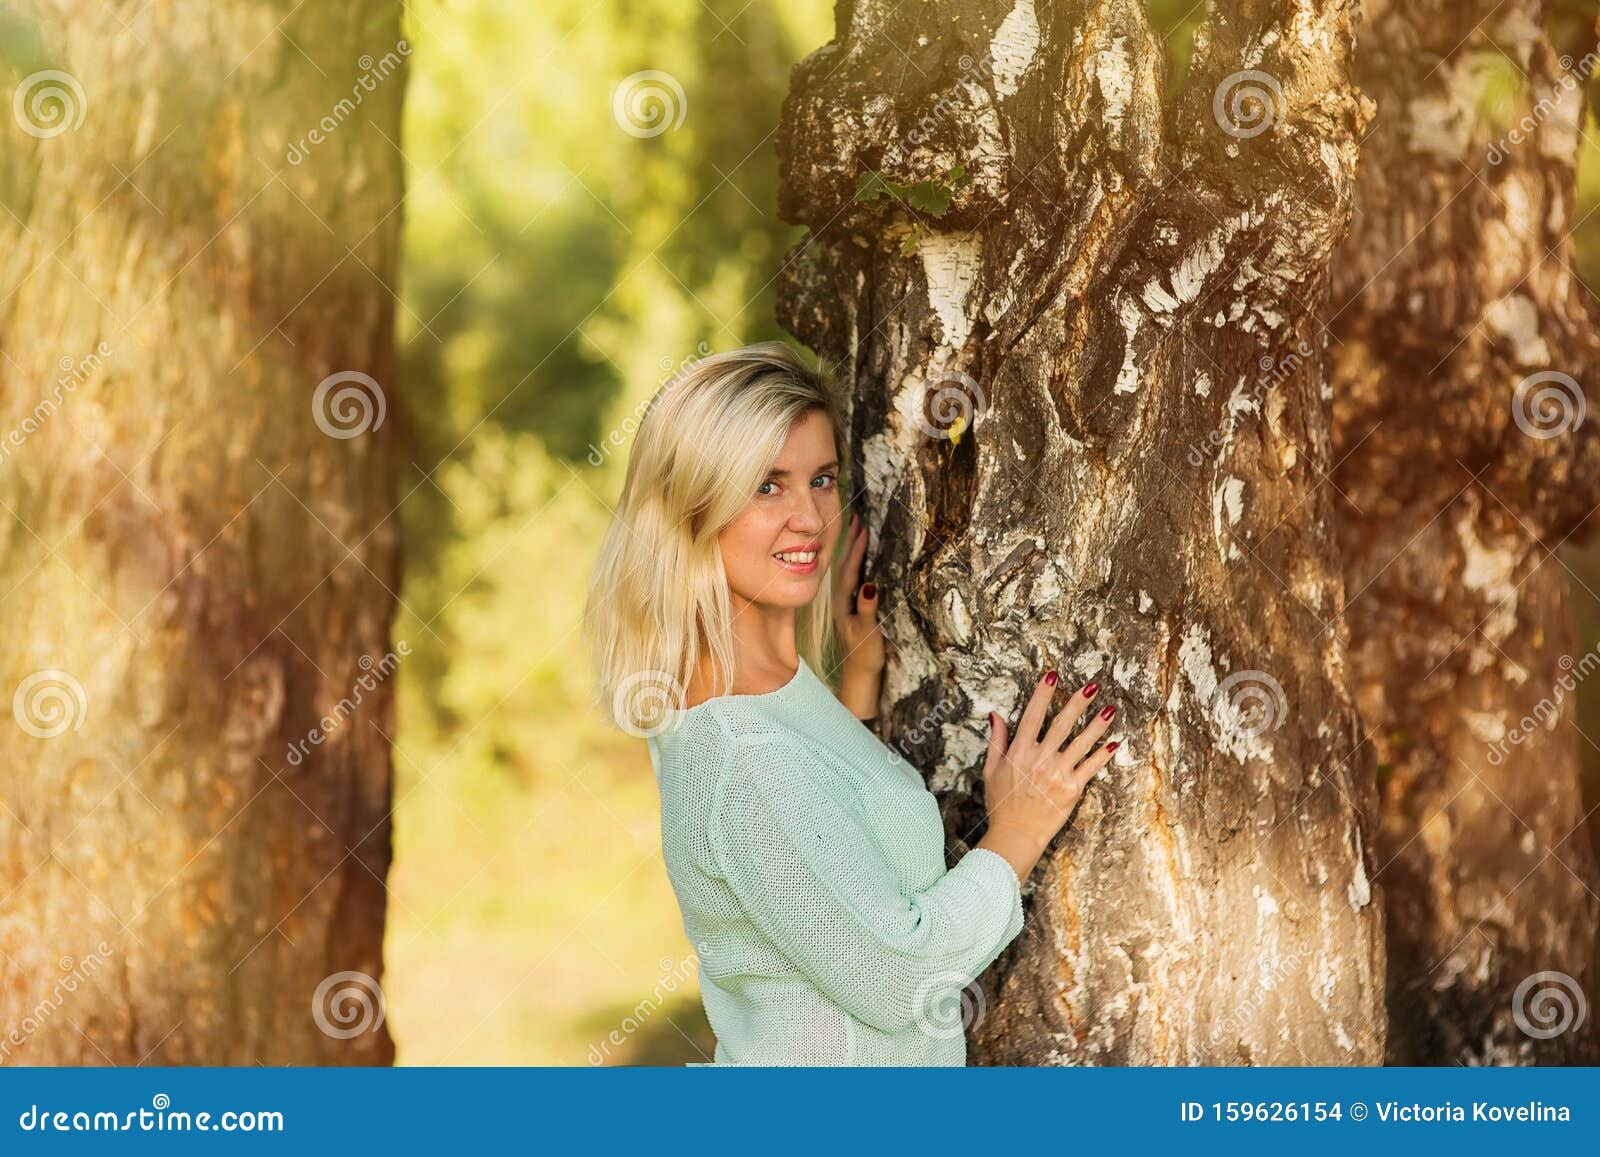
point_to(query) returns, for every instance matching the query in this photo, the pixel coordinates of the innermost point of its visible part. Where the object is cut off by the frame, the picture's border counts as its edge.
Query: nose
(806, 516)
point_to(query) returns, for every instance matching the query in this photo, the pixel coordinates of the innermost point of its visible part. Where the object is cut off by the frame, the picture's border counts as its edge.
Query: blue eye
(829, 481)
(761, 489)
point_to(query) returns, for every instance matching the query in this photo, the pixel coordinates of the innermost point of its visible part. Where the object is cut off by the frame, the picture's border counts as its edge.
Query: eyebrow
(776, 473)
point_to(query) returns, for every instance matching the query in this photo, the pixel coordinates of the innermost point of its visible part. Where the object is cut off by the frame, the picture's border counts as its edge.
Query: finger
(1080, 746)
(1061, 726)
(867, 601)
(1090, 767)
(1033, 715)
(997, 744)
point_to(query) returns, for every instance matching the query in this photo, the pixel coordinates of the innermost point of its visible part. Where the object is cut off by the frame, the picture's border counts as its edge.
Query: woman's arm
(814, 879)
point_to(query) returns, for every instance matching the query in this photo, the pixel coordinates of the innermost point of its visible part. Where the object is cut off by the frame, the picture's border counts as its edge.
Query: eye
(828, 480)
(762, 489)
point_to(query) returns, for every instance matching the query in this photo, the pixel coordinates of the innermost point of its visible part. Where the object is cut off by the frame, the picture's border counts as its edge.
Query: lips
(801, 559)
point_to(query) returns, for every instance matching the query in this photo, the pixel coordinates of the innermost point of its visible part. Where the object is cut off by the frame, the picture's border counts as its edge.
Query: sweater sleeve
(812, 877)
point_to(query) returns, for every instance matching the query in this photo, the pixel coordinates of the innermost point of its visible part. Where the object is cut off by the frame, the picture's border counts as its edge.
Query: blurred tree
(197, 561)
(1061, 283)
(1467, 355)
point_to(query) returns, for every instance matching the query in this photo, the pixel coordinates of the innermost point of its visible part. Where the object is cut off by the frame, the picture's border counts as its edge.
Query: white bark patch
(1360, 889)
(1228, 497)
(1112, 71)
(1516, 318)
(1202, 384)
(1194, 657)
(1128, 376)
(1015, 43)
(1487, 570)
(950, 265)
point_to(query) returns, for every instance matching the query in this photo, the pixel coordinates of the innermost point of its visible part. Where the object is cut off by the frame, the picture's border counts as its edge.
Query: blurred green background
(555, 268)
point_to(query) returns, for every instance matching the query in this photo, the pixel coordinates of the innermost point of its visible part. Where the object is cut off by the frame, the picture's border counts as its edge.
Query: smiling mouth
(797, 557)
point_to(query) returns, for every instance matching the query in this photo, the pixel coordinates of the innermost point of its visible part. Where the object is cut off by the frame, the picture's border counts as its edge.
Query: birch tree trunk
(196, 559)
(1090, 420)
(1466, 357)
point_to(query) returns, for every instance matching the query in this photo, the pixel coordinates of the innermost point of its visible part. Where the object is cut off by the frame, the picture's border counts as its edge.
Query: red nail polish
(870, 591)
(1112, 746)
(1088, 692)
(1050, 679)
(1108, 712)
(994, 720)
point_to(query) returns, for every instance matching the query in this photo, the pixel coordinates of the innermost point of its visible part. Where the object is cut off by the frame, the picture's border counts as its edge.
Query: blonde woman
(807, 858)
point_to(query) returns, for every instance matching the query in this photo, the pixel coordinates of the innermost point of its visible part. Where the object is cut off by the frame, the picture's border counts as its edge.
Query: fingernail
(1108, 712)
(870, 591)
(994, 720)
(1112, 746)
(1050, 679)
(1088, 692)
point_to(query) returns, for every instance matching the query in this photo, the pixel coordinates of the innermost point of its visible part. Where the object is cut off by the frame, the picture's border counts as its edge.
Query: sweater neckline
(800, 669)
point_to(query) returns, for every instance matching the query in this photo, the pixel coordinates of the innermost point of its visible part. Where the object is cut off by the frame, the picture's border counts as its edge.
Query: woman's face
(794, 512)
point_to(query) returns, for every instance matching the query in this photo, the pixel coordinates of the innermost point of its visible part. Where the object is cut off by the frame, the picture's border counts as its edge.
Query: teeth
(800, 557)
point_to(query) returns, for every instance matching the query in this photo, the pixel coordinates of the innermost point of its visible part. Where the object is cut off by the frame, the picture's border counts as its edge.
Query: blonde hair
(709, 438)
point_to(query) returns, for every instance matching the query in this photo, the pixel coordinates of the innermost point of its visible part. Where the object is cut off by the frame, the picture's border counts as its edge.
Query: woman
(807, 858)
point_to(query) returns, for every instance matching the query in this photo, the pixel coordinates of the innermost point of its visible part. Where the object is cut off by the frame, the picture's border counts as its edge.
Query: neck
(764, 652)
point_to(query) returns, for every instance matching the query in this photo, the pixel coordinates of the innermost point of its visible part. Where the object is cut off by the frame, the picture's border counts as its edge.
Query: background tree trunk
(1123, 299)
(193, 572)
(1455, 286)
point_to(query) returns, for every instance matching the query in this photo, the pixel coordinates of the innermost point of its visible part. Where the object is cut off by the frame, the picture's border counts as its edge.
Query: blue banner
(811, 1111)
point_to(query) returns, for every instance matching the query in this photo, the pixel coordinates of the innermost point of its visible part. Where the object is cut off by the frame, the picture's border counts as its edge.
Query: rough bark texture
(1124, 299)
(1456, 285)
(200, 571)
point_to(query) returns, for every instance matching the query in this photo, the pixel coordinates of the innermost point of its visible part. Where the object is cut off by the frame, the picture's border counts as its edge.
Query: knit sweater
(808, 863)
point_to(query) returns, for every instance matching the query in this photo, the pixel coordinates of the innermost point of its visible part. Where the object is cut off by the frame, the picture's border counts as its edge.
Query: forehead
(808, 443)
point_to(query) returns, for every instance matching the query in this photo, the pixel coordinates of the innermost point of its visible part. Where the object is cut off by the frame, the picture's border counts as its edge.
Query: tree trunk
(196, 556)
(1121, 301)
(1455, 286)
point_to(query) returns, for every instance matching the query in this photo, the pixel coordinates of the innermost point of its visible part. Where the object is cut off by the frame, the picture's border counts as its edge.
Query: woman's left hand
(860, 641)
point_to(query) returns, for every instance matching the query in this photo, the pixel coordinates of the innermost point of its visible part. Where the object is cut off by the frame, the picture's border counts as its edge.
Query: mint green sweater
(808, 863)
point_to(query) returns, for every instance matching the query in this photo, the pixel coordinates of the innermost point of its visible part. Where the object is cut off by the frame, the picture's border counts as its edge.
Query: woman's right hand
(1032, 785)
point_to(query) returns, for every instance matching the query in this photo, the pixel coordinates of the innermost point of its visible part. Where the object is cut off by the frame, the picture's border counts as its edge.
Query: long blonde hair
(709, 437)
